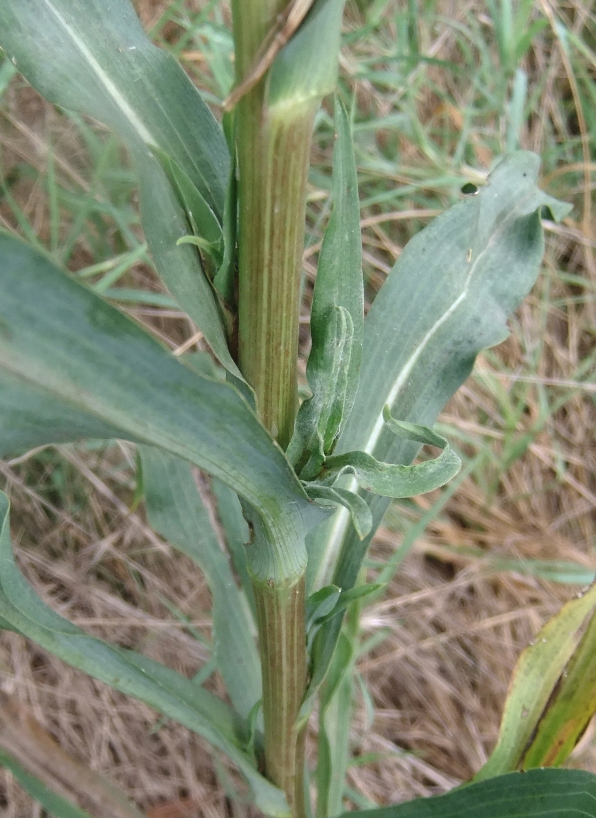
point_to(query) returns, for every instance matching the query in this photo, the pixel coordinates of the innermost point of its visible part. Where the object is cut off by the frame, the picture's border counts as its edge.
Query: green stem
(273, 148)
(280, 619)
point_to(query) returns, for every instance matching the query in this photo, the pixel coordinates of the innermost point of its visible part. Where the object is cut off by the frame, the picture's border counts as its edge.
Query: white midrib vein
(112, 89)
(342, 516)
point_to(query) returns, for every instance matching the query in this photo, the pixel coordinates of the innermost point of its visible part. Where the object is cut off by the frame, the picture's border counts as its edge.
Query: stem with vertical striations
(273, 149)
(280, 618)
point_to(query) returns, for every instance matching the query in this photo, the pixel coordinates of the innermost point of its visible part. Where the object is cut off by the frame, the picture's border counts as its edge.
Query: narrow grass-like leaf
(133, 674)
(72, 366)
(570, 707)
(91, 57)
(175, 510)
(59, 781)
(535, 794)
(334, 715)
(337, 317)
(229, 512)
(533, 683)
(55, 804)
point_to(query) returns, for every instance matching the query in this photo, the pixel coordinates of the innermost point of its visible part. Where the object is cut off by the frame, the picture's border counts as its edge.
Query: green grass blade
(55, 805)
(175, 510)
(536, 794)
(334, 362)
(532, 695)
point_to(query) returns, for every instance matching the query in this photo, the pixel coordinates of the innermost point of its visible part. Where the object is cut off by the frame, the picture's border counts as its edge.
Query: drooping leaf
(72, 366)
(337, 318)
(447, 298)
(127, 671)
(175, 510)
(535, 689)
(535, 794)
(94, 58)
(394, 480)
(356, 505)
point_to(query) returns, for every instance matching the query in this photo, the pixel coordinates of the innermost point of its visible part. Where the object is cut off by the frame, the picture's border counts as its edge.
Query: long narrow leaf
(133, 674)
(175, 510)
(535, 688)
(337, 317)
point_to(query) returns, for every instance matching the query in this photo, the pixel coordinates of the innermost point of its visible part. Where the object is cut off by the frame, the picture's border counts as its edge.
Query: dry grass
(454, 626)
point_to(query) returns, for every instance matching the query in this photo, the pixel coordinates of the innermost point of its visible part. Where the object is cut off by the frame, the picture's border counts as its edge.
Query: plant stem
(280, 619)
(273, 148)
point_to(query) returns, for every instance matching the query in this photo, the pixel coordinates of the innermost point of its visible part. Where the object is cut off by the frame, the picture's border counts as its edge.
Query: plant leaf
(72, 366)
(447, 298)
(337, 318)
(356, 505)
(535, 688)
(175, 510)
(179, 265)
(94, 58)
(51, 801)
(390, 480)
(132, 674)
(570, 708)
(202, 219)
(58, 781)
(229, 512)
(535, 794)
(314, 46)
(335, 709)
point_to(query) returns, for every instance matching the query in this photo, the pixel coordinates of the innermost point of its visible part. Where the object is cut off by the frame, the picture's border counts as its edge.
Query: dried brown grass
(454, 628)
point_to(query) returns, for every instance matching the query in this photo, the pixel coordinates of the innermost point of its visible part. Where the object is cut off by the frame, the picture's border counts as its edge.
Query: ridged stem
(273, 149)
(280, 619)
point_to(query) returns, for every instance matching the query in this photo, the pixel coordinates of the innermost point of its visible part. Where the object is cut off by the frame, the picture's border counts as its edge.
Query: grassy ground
(438, 90)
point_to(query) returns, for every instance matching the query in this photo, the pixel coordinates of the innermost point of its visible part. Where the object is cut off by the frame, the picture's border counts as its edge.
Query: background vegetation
(438, 90)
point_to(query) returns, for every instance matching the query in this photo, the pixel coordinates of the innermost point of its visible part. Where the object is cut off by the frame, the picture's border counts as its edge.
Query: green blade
(73, 366)
(548, 698)
(175, 510)
(447, 298)
(305, 70)
(334, 361)
(56, 805)
(535, 794)
(132, 674)
(93, 57)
